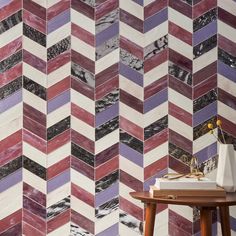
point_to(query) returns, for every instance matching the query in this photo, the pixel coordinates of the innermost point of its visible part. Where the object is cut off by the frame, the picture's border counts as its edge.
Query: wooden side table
(205, 204)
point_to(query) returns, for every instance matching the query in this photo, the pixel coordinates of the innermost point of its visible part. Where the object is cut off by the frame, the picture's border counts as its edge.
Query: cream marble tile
(227, 31)
(226, 112)
(50, 2)
(227, 85)
(228, 5)
(184, 211)
(11, 114)
(125, 230)
(63, 230)
(132, 8)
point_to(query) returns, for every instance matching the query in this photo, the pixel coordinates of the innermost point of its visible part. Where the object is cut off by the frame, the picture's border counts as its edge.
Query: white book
(185, 183)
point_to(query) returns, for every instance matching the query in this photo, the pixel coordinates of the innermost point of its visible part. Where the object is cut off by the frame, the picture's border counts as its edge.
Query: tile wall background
(98, 98)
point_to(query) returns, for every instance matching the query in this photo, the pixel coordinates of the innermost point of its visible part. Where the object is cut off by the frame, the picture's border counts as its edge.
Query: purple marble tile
(3, 3)
(226, 71)
(58, 181)
(58, 21)
(11, 101)
(140, 2)
(58, 101)
(155, 100)
(113, 230)
(131, 154)
(233, 223)
(205, 114)
(206, 153)
(106, 34)
(155, 20)
(107, 194)
(131, 74)
(107, 114)
(11, 180)
(204, 33)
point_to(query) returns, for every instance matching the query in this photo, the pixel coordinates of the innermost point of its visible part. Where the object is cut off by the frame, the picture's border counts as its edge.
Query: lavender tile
(226, 71)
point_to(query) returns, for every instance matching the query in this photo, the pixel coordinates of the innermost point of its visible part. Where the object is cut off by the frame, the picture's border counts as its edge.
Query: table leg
(206, 221)
(150, 219)
(224, 219)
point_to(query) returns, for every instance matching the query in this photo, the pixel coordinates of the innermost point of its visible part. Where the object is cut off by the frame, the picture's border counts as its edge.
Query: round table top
(229, 200)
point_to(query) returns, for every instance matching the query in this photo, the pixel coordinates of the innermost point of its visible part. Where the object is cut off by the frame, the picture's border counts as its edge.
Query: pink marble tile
(35, 8)
(105, 8)
(10, 9)
(203, 7)
(57, 8)
(178, 166)
(227, 45)
(227, 17)
(130, 181)
(154, 7)
(29, 230)
(83, 8)
(181, 7)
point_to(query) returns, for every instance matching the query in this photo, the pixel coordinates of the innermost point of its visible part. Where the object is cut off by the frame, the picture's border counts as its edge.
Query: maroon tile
(161, 207)
(35, 141)
(107, 154)
(181, 7)
(107, 168)
(83, 88)
(205, 86)
(180, 141)
(131, 20)
(29, 230)
(180, 33)
(131, 209)
(34, 114)
(155, 60)
(34, 220)
(107, 87)
(82, 221)
(10, 48)
(154, 7)
(82, 34)
(180, 114)
(228, 126)
(82, 141)
(176, 231)
(156, 140)
(227, 17)
(131, 128)
(83, 8)
(82, 168)
(130, 181)
(34, 61)
(202, 7)
(178, 166)
(205, 73)
(106, 74)
(155, 167)
(57, 8)
(83, 61)
(10, 9)
(180, 87)
(58, 221)
(14, 230)
(227, 98)
(131, 47)
(32, 193)
(35, 8)
(82, 194)
(155, 87)
(10, 220)
(82, 114)
(34, 21)
(227, 45)
(105, 8)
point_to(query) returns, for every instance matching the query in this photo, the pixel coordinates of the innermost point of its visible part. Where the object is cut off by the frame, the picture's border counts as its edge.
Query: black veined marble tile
(58, 208)
(180, 73)
(131, 222)
(204, 46)
(58, 48)
(131, 61)
(34, 167)
(107, 47)
(106, 181)
(107, 20)
(10, 88)
(156, 127)
(180, 154)
(204, 19)
(107, 208)
(10, 167)
(107, 128)
(107, 101)
(189, 2)
(34, 88)
(228, 138)
(11, 61)
(90, 2)
(10, 21)
(208, 165)
(58, 128)
(156, 47)
(202, 129)
(227, 58)
(131, 141)
(82, 74)
(205, 100)
(82, 154)
(76, 230)
(34, 35)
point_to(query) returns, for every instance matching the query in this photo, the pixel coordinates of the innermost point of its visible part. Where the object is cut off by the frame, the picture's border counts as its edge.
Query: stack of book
(183, 186)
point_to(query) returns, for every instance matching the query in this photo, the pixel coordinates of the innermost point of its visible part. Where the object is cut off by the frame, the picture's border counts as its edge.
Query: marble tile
(228, 138)
(227, 58)
(76, 230)
(14, 230)
(209, 165)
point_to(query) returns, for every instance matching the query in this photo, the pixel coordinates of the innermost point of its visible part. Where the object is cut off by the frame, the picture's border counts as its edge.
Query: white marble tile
(226, 112)
(63, 230)
(228, 5)
(184, 211)
(227, 85)
(132, 8)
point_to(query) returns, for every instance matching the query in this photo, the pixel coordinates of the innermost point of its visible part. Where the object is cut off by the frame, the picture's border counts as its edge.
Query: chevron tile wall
(100, 97)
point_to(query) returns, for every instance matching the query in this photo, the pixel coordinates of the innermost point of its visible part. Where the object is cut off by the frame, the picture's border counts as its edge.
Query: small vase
(226, 169)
